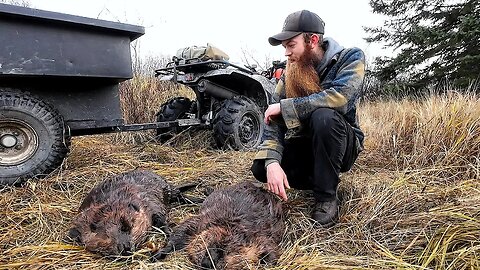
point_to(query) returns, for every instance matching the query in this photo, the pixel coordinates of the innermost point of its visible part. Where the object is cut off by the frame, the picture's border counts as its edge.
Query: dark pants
(316, 160)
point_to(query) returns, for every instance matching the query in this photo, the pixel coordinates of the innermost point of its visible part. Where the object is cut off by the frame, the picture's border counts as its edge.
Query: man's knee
(258, 170)
(324, 120)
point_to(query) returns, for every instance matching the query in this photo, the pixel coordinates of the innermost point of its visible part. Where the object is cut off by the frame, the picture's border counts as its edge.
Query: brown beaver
(115, 216)
(236, 225)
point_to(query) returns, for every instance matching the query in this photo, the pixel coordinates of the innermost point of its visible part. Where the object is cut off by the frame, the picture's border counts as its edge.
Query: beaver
(236, 225)
(116, 215)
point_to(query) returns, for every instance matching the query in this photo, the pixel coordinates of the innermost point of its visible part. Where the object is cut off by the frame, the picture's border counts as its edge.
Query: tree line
(435, 42)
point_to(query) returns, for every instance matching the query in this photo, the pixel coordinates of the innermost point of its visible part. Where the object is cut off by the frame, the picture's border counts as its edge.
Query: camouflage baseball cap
(303, 21)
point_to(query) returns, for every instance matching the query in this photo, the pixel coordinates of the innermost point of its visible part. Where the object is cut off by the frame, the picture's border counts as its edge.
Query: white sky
(232, 26)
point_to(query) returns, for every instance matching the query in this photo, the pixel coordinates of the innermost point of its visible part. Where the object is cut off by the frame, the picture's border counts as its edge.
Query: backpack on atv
(201, 53)
(230, 99)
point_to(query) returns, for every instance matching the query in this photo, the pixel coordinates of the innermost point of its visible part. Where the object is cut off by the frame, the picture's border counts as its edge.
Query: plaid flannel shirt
(341, 73)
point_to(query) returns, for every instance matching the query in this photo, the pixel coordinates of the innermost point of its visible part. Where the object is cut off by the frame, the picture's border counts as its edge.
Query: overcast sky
(233, 26)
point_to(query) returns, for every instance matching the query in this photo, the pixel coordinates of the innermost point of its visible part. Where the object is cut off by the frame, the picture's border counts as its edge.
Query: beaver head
(116, 215)
(113, 228)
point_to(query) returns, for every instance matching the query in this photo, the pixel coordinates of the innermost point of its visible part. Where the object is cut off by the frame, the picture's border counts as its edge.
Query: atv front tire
(238, 125)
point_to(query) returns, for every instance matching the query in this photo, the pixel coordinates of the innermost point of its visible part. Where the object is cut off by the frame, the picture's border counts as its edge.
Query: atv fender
(253, 86)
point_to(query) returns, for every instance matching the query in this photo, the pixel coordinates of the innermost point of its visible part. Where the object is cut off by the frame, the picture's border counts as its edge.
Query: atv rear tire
(175, 108)
(32, 137)
(238, 125)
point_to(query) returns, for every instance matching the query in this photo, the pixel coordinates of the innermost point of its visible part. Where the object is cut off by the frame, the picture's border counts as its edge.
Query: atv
(275, 71)
(230, 99)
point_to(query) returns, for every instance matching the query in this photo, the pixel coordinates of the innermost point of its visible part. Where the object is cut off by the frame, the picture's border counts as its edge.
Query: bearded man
(312, 132)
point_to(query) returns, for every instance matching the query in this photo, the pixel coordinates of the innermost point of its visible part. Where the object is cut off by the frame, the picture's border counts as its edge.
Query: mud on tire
(173, 109)
(32, 137)
(238, 125)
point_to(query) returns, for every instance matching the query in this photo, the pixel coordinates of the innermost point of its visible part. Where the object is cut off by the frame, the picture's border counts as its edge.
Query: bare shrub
(22, 3)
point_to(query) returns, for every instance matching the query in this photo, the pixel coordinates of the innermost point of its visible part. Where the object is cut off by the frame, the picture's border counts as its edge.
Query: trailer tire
(173, 109)
(32, 137)
(238, 125)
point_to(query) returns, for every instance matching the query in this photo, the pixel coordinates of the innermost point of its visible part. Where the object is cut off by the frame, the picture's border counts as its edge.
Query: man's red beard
(301, 78)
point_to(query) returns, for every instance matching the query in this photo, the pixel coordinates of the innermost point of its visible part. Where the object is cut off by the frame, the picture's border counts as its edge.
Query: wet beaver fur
(116, 215)
(236, 226)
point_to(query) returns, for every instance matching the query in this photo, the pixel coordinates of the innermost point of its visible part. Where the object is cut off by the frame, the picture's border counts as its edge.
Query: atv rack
(188, 65)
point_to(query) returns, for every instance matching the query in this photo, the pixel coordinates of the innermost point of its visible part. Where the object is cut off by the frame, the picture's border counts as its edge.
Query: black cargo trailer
(59, 77)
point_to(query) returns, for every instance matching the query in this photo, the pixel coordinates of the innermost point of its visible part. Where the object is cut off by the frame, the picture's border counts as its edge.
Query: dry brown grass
(410, 202)
(439, 135)
(142, 96)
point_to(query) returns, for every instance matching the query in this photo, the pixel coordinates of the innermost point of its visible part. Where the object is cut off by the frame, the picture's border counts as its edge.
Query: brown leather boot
(325, 213)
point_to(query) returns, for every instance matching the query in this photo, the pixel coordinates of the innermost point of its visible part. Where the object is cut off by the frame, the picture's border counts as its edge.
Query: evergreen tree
(435, 40)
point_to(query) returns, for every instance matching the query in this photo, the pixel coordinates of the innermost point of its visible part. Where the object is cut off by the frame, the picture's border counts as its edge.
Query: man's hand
(277, 180)
(272, 111)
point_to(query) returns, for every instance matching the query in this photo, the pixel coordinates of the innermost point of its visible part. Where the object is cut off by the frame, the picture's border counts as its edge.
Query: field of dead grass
(410, 202)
